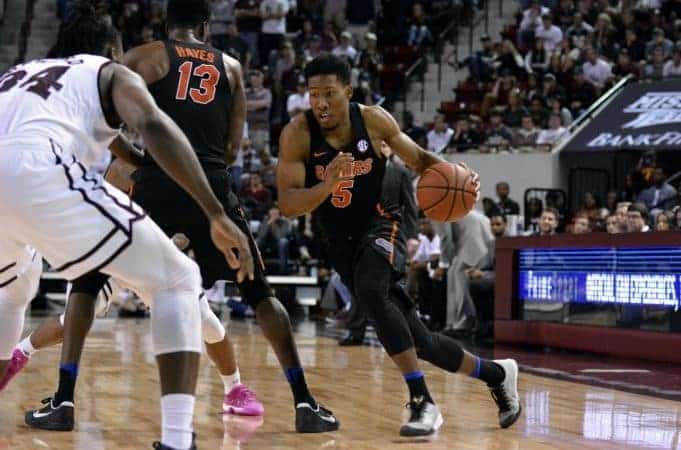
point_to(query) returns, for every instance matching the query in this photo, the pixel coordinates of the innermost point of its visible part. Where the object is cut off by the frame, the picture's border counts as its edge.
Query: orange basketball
(446, 192)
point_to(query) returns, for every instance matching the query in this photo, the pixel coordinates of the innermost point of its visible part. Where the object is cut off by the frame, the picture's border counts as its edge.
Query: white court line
(615, 371)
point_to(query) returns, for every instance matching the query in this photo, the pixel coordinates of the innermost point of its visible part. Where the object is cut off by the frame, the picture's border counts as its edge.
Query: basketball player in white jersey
(56, 117)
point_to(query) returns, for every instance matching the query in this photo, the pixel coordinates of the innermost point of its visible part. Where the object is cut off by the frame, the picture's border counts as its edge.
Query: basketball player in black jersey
(330, 163)
(200, 89)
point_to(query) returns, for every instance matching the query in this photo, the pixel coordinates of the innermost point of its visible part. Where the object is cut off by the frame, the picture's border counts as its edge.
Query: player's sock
(301, 394)
(231, 380)
(417, 386)
(488, 371)
(67, 383)
(177, 412)
(26, 346)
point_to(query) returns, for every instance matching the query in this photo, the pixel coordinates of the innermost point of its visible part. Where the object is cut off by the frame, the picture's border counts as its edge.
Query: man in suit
(481, 280)
(660, 196)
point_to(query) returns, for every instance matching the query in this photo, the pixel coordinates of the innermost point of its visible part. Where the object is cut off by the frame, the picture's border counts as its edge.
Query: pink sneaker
(242, 402)
(18, 362)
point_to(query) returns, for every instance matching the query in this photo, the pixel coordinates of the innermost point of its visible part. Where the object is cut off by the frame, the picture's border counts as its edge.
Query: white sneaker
(506, 394)
(425, 419)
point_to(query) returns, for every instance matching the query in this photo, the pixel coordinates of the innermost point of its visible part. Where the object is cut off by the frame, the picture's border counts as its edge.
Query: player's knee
(212, 327)
(18, 293)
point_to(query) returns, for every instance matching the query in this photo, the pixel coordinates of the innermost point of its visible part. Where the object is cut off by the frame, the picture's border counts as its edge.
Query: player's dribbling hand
(475, 180)
(233, 243)
(339, 170)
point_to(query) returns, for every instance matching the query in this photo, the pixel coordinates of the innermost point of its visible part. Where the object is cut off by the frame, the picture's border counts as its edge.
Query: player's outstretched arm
(382, 125)
(294, 199)
(171, 149)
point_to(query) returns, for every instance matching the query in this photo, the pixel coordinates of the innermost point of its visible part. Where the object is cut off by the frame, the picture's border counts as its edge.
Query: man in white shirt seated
(344, 47)
(299, 101)
(672, 68)
(596, 70)
(423, 280)
(440, 135)
(553, 134)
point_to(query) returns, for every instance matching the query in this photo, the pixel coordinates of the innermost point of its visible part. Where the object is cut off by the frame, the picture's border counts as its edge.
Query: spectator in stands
(633, 45)
(313, 48)
(553, 134)
(482, 65)
(597, 70)
(222, 14)
(621, 215)
(510, 61)
(235, 46)
(299, 101)
(415, 132)
(663, 222)
(563, 14)
(659, 41)
(481, 278)
(360, 17)
(549, 33)
(548, 222)
(603, 37)
(556, 107)
(258, 105)
(268, 167)
(344, 47)
(274, 238)
(672, 68)
(419, 34)
(329, 37)
(590, 207)
(497, 134)
(369, 60)
(527, 134)
(582, 93)
(676, 222)
(581, 224)
(249, 24)
(625, 66)
(539, 112)
(440, 135)
(611, 201)
(256, 198)
(637, 218)
(506, 205)
(304, 35)
(660, 195)
(515, 110)
(273, 29)
(655, 68)
(611, 225)
(334, 12)
(531, 21)
(464, 138)
(579, 31)
(251, 160)
(551, 88)
(285, 65)
(537, 59)
(421, 269)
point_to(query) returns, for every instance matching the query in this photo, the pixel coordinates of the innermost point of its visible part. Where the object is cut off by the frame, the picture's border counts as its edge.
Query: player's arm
(238, 115)
(172, 151)
(384, 127)
(294, 199)
(123, 149)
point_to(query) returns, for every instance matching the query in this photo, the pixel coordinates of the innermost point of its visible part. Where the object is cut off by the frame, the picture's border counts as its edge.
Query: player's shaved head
(82, 32)
(187, 13)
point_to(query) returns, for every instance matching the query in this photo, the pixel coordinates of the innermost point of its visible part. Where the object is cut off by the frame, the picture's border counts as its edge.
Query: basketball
(446, 192)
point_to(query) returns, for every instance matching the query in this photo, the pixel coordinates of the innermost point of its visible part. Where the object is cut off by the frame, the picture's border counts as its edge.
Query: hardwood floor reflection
(117, 403)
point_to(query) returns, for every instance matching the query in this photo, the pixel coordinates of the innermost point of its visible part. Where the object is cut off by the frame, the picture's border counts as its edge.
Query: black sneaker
(51, 417)
(506, 394)
(158, 446)
(314, 420)
(425, 418)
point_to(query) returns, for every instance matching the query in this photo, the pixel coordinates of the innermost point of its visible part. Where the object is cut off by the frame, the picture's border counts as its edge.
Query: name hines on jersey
(355, 169)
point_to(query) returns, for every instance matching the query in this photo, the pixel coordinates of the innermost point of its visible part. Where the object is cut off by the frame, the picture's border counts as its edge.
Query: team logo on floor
(362, 146)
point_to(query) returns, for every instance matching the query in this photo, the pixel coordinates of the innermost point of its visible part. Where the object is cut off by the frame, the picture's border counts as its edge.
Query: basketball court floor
(569, 401)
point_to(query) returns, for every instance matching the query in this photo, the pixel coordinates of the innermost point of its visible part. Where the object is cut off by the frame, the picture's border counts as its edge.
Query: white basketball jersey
(57, 99)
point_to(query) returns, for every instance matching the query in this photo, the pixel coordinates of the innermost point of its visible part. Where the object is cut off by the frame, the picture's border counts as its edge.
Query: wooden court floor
(117, 403)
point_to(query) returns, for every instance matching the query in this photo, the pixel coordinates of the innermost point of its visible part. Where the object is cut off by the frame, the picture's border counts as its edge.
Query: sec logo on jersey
(362, 146)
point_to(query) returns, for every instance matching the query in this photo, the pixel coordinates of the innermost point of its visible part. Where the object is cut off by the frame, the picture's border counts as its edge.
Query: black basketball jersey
(196, 95)
(350, 209)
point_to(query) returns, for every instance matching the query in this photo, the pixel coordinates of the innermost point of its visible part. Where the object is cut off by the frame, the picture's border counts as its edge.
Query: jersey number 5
(209, 80)
(342, 196)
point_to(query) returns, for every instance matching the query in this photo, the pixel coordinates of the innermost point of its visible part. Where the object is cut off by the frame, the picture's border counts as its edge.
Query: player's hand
(339, 170)
(233, 243)
(475, 180)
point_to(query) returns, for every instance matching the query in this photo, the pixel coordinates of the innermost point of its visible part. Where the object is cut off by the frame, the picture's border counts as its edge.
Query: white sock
(231, 380)
(177, 413)
(26, 346)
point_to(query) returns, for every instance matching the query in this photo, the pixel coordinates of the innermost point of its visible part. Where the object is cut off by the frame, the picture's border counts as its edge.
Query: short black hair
(82, 31)
(499, 214)
(640, 208)
(328, 64)
(187, 13)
